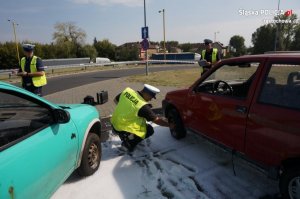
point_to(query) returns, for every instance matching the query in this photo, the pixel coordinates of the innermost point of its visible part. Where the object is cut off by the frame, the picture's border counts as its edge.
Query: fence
(4, 74)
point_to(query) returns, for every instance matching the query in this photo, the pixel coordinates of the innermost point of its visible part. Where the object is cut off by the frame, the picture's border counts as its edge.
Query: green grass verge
(176, 78)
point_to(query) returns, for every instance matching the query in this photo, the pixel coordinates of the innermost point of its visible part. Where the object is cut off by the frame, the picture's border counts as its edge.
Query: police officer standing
(32, 71)
(210, 55)
(132, 112)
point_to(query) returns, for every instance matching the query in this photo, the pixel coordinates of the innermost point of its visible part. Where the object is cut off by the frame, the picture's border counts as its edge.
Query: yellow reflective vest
(37, 81)
(213, 56)
(125, 116)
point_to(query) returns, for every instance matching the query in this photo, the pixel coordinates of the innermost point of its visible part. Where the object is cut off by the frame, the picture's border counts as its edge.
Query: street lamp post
(215, 38)
(145, 25)
(15, 35)
(164, 31)
(277, 30)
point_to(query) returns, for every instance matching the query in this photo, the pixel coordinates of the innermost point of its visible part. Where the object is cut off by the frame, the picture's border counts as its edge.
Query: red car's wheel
(290, 183)
(174, 118)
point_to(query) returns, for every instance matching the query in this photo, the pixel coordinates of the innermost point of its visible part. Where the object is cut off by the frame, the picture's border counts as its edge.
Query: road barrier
(9, 73)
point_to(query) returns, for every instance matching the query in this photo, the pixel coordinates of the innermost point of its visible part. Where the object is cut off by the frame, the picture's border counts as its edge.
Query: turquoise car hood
(81, 114)
(79, 109)
(72, 106)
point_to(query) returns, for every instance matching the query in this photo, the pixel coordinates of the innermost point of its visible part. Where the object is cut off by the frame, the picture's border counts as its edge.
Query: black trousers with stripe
(130, 140)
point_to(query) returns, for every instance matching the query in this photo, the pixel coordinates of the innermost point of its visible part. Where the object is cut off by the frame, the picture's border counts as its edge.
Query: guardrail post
(9, 75)
(52, 71)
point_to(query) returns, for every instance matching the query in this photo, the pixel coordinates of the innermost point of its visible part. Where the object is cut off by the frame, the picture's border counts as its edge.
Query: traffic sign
(145, 44)
(145, 32)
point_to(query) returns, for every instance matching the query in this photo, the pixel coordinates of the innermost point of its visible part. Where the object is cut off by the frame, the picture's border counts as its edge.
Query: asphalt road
(61, 83)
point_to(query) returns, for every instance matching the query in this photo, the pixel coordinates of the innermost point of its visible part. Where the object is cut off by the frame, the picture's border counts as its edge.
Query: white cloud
(129, 3)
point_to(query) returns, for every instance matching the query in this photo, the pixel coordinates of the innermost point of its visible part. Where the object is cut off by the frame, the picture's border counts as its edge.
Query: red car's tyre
(290, 183)
(174, 118)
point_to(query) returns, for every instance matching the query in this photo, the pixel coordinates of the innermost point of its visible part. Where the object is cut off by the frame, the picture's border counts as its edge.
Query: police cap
(207, 41)
(151, 90)
(28, 47)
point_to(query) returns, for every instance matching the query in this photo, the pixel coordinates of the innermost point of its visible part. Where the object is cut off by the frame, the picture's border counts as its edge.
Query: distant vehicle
(250, 105)
(102, 60)
(186, 56)
(42, 143)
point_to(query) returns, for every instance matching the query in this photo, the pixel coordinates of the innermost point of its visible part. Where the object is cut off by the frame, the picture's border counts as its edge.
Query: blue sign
(145, 32)
(145, 44)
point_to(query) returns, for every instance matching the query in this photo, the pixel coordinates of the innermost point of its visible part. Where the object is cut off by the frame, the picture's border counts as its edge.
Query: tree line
(284, 35)
(286, 30)
(69, 42)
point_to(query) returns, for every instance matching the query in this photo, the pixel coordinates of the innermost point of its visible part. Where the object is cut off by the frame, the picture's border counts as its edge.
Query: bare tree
(68, 31)
(69, 35)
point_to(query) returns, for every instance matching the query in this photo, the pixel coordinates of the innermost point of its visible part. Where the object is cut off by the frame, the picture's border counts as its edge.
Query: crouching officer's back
(132, 112)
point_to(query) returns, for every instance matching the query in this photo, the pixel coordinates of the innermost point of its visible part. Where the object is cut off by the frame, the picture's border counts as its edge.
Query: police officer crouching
(132, 112)
(32, 71)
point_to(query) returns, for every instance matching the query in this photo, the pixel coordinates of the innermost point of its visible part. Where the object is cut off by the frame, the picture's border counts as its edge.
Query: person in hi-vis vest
(129, 119)
(32, 71)
(210, 55)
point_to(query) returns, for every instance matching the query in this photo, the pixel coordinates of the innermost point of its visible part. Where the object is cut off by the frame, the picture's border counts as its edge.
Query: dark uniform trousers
(33, 89)
(130, 140)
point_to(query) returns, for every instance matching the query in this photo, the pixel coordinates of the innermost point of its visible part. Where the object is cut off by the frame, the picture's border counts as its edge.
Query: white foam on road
(162, 167)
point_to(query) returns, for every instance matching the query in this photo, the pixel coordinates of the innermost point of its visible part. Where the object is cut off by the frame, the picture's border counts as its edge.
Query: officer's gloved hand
(150, 105)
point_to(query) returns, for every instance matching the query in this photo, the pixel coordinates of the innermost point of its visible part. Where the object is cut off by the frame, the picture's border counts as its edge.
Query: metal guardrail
(7, 71)
(49, 68)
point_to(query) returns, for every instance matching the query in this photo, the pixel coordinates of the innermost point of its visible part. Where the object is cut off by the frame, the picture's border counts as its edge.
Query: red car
(250, 105)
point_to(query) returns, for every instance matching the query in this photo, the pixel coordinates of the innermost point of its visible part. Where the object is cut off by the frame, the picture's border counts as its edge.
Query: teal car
(42, 143)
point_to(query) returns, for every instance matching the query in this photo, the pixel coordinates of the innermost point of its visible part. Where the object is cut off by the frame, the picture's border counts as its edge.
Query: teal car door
(36, 155)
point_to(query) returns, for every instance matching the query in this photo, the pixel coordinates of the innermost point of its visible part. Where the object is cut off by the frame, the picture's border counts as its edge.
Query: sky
(120, 21)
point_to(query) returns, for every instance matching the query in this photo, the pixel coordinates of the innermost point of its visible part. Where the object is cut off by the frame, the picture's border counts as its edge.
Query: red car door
(273, 130)
(219, 104)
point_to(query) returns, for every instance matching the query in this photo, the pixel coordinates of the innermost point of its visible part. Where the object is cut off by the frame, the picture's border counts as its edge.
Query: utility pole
(164, 31)
(277, 30)
(15, 36)
(145, 25)
(215, 38)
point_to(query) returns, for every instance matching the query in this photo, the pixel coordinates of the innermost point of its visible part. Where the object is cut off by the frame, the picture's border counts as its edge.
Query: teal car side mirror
(61, 116)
